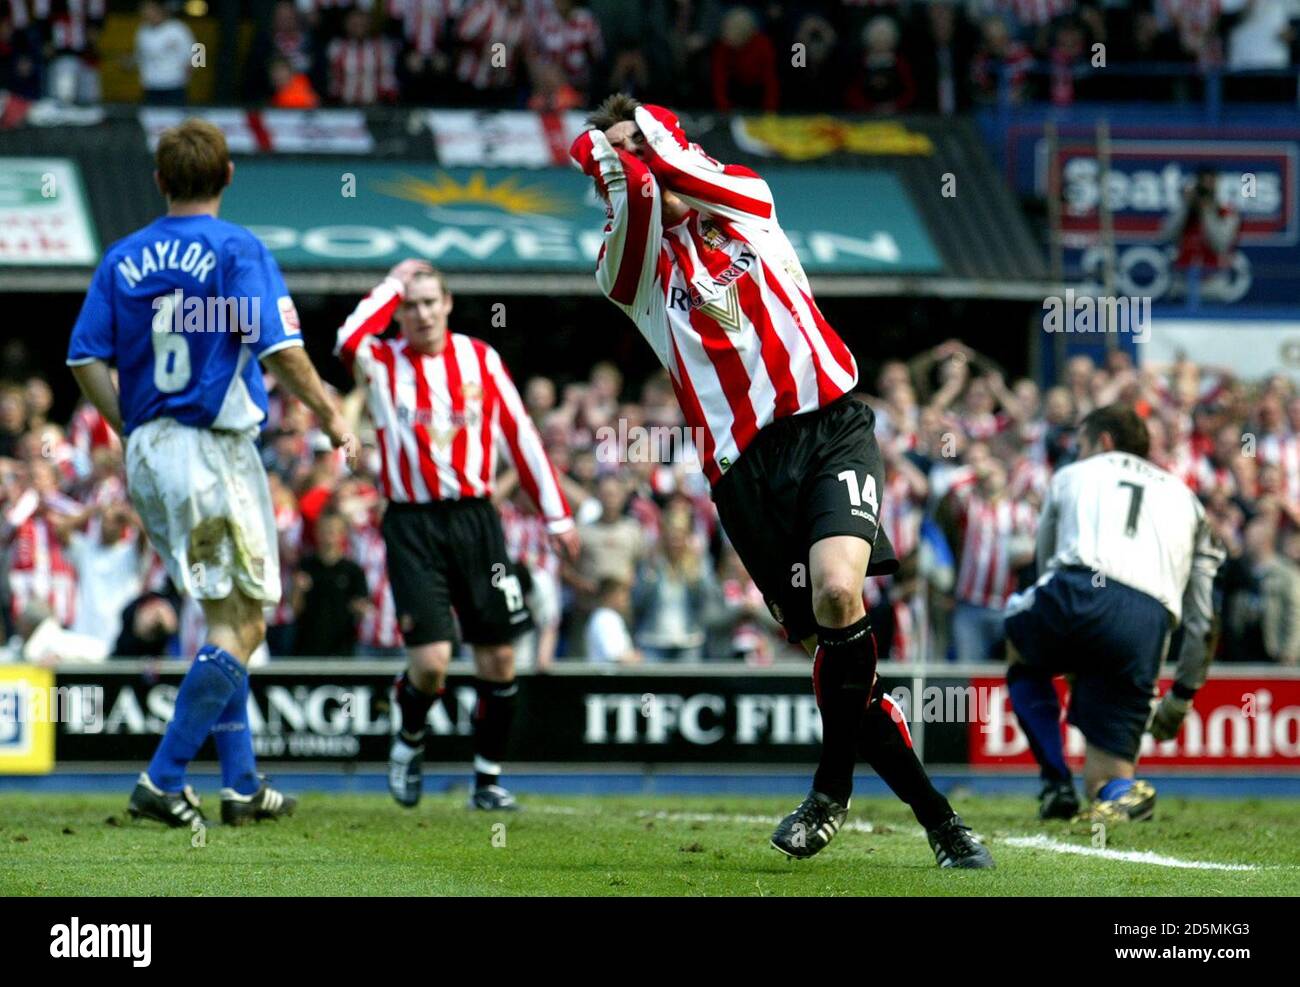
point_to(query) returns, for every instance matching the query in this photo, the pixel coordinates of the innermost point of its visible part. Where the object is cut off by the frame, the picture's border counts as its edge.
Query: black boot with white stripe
(812, 826)
(954, 845)
(148, 801)
(265, 803)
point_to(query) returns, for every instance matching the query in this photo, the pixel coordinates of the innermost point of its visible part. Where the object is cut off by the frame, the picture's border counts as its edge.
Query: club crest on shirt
(712, 234)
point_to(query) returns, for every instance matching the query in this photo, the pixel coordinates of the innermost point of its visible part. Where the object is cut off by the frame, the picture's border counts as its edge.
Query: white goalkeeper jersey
(1127, 519)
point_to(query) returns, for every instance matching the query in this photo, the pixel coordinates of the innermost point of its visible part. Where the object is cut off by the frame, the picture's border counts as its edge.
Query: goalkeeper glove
(1168, 717)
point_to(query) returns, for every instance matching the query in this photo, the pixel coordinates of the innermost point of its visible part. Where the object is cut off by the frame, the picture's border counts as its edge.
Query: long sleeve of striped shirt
(441, 419)
(628, 266)
(731, 192)
(359, 332)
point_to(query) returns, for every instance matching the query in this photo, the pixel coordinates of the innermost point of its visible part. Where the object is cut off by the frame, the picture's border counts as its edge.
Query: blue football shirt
(185, 308)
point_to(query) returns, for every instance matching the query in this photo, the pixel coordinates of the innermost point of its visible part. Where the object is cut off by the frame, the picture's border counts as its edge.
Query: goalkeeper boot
(493, 798)
(1058, 800)
(955, 845)
(265, 803)
(175, 809)
(406, 771)
(811, 827)
(1136, 803)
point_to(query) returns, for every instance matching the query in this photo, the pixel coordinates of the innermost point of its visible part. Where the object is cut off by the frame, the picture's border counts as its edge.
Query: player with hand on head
(694, 255)
(189, 310)
(1127, 558)
(443, 406)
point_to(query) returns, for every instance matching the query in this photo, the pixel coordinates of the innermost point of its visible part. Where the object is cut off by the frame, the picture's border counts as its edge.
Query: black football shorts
(453, 554)
(802, 479)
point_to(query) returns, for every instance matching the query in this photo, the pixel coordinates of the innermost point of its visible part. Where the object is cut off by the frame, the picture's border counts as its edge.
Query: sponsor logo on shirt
(288, 315)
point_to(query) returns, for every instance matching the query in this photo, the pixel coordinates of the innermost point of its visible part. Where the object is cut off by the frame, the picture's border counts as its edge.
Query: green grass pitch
(365, 845)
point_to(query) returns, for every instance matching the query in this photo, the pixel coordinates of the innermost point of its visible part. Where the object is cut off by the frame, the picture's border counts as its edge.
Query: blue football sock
(234, 743)
(1114, 788)
(207, 687)
(1034, 700)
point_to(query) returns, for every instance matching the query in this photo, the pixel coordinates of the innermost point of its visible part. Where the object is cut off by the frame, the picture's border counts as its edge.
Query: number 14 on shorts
(868, 495)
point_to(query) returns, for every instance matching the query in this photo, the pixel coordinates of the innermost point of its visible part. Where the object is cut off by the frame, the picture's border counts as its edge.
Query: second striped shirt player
(444, 406)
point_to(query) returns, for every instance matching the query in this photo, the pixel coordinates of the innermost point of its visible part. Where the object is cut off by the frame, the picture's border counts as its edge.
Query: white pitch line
(1037, 842)
(1041, 842)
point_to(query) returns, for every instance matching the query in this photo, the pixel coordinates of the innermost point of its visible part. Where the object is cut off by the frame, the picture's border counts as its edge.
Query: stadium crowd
(968, 457)
(868, 56)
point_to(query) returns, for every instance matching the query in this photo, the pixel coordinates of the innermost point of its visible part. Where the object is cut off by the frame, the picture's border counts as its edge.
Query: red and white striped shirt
(984, 575)
(981, 428)
(1182, 461)
(573, 43)
(900, 520)
(526, 540)
(1284, 452)
(40, 572)
(379, 628)
(289, 528)
(1029, 477)
(362, 72)
(440, 419)
(484, 25)
(68, 22)
(721, 296)
(88, 431)
(425, 23)
(1208, 477)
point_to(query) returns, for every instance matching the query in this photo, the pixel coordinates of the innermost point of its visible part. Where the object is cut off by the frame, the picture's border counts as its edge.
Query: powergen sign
(314, 215)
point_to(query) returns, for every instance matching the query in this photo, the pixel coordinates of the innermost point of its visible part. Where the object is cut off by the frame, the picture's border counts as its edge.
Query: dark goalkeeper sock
(1033, 698)
(886, 744)
(843, 671)
(493, 718)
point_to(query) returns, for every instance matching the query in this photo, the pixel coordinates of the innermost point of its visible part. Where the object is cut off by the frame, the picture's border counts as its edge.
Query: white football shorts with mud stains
(203, 499)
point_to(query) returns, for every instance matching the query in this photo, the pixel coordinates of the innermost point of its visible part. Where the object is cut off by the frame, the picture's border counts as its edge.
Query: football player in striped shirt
(693, 253)
(444, 406)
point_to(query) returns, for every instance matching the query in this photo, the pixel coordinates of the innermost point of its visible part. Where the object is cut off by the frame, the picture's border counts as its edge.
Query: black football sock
(843, 671)
(493, 719)
(886, 744)
(415, 706)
